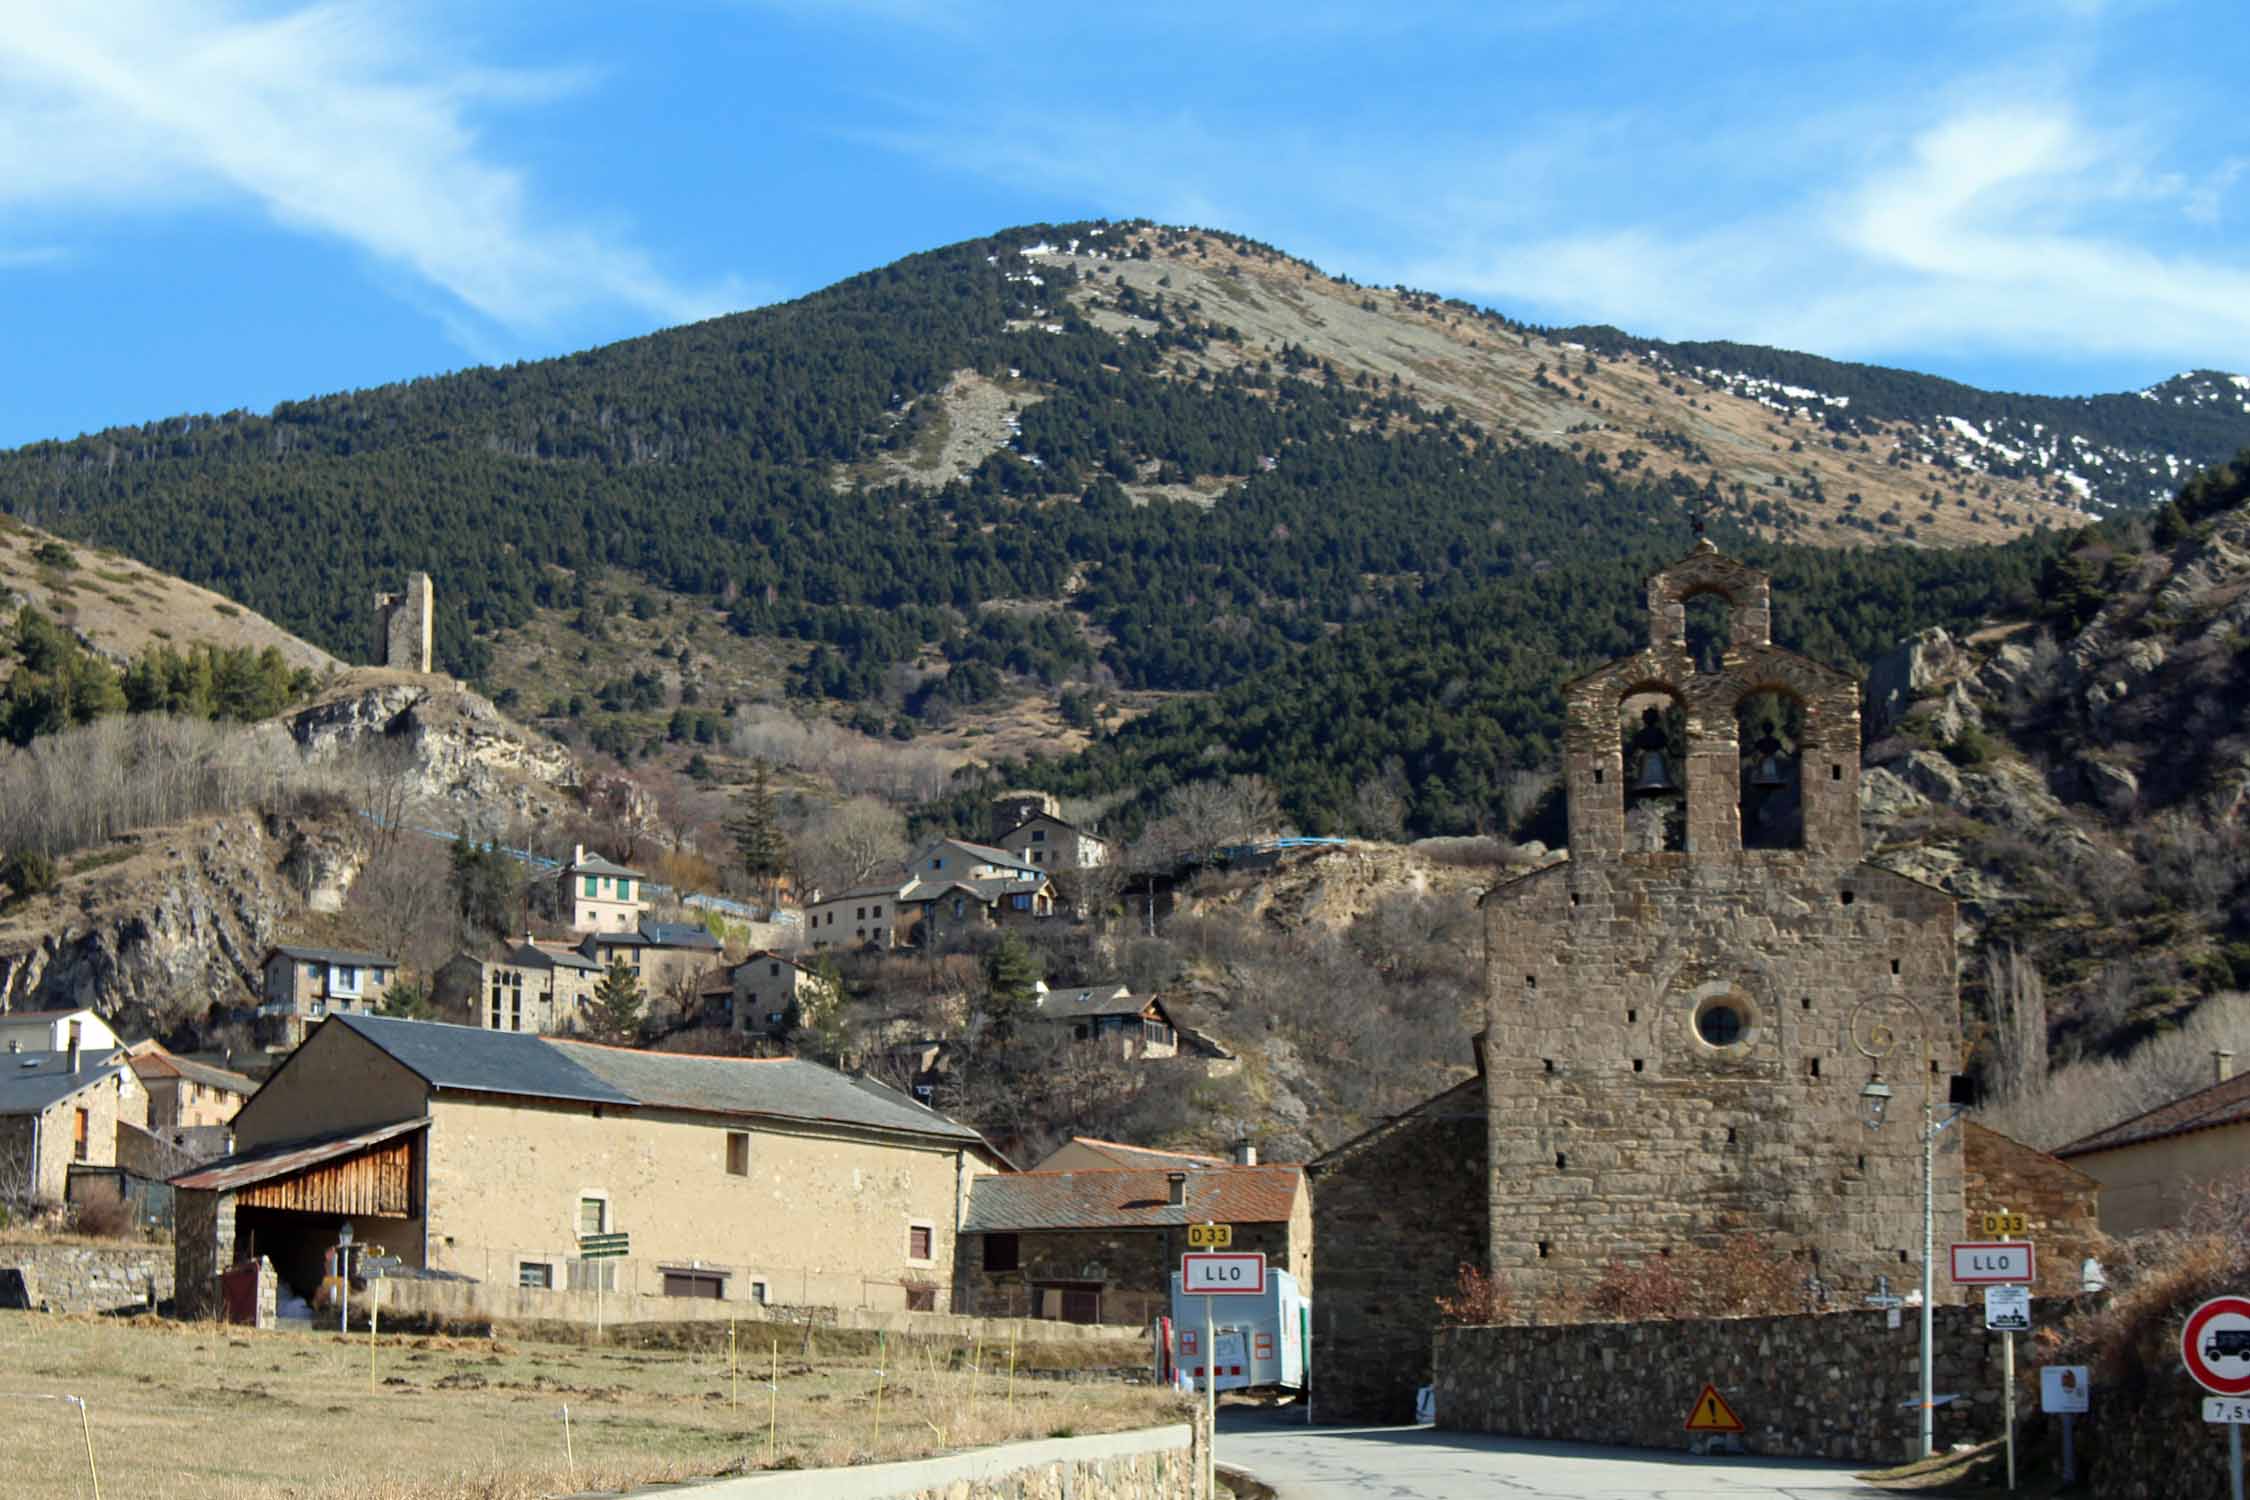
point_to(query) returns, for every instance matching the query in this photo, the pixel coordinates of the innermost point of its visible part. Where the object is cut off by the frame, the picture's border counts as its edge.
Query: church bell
(1653, 776)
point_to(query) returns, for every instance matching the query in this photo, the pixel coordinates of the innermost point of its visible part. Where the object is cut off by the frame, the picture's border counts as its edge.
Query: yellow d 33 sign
(2006, 1226)
(1210, 1236)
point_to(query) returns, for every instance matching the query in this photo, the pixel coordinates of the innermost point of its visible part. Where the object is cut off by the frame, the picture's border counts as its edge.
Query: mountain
(1120, 455)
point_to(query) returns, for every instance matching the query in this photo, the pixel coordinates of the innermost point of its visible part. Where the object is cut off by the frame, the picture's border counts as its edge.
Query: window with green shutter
(624, 890)
(593, 885)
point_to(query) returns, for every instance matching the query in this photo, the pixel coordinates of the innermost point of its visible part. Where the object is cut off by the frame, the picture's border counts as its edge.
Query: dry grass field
(219, 1413)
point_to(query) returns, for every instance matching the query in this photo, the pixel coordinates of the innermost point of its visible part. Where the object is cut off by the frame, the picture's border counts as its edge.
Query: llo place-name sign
(1242, 1275)
(1992, 1262)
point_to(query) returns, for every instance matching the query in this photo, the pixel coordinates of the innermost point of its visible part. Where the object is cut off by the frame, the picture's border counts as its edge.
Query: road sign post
(2215, 1347)
(1208, 1275)
(2063, 1392)
(2006, 1269)
(612, 1246)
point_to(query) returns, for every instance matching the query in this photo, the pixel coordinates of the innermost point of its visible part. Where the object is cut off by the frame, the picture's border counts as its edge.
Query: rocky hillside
(2080, 779)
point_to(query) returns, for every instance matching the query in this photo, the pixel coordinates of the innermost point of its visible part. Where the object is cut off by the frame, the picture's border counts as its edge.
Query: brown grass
(203, 1410)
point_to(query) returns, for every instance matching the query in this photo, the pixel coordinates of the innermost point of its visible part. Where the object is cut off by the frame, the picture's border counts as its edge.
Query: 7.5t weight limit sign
(1223, 1275)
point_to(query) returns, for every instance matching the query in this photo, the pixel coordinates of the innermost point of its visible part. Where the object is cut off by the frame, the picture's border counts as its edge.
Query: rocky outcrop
(453, 745)
(176, 926)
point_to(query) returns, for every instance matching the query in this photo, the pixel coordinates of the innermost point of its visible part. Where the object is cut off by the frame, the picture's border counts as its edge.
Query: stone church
(1681, 1018)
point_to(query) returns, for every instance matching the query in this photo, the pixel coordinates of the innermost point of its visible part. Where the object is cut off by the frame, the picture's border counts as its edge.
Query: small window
(876, 910)
(738, 1153)
(773, 971)
(593, 885)
(593, 1215)
(710, 1285)
(535, 1273)
(624, 890)
(921, 1298)
(758, 1292)
(1039, 835)
(859, 914)
(918, 1240)
(1002, 1252)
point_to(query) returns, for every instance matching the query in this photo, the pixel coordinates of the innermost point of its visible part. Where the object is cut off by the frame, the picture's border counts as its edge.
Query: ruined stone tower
(403, 624)
(1683, 1014)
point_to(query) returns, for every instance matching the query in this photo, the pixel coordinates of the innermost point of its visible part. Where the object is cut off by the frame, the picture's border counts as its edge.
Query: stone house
(1100, 1245)
(1053, 845)
(668, 958)
(55, 1031)
(759, 994)
(184, 1094)
(954, 911)
(1685, 1019)
(59, 1110)
(540, 986)
(488, 1153)
(866, 916)
(300, 987)
(1107, 1017)
(601, 896)
(2154, 1167)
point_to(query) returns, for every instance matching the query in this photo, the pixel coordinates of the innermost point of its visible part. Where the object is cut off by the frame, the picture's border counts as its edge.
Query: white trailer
(1263, 1339)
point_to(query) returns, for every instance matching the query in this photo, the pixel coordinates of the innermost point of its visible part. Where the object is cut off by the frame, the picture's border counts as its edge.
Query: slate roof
(2225, 1103)
(1101, 1000)
(267, 1163)
(1131, 1198)
(32, 1081)
(553, 956)
(594, 864)
(342, 956)
(986, 891)
(475, 1060)
(984, 852)
(679, 935)
(783, 1087)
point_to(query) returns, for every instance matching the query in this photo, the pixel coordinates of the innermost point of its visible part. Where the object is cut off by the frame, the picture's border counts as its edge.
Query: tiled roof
(31, 1081)
(268, 1163)
(1132, 1198)
(342, 956)
(152, 1060)
(2225, 1103)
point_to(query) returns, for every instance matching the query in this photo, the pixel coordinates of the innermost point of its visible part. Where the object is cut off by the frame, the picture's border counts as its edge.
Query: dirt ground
(221, 1413)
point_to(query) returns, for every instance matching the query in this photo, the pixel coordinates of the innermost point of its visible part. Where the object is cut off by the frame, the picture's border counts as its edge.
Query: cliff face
(453, 745)
(161, 934)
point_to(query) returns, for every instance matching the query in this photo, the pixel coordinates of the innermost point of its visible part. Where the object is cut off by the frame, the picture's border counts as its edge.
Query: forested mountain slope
(1177, 456)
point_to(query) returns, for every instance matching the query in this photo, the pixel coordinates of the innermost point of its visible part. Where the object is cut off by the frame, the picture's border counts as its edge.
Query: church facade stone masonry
(1677, 1040)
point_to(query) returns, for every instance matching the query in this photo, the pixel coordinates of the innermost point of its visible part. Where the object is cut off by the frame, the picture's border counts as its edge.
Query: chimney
(1175, 1188)
(577, 855)
(2222, 1064)
(74, 1046)
(1245, 1154)
(15, 1044)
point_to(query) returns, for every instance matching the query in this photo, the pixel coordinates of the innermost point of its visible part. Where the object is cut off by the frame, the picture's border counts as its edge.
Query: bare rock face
(160, 936)
(456, 746)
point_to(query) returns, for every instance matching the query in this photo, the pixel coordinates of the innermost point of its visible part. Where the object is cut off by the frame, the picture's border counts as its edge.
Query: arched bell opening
(1652, 729)
(1770, 728)
(1709, 620)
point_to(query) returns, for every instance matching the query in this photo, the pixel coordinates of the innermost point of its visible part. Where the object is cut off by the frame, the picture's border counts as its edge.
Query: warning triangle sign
(1712, 1414)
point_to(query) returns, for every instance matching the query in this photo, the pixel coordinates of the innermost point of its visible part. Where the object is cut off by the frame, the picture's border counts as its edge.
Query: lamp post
(1875, 1098)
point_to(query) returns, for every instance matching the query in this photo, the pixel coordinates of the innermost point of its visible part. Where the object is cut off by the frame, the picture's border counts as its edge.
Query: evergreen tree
(615, 1012)
(1011, 978)
(484, 888)
(756, 832)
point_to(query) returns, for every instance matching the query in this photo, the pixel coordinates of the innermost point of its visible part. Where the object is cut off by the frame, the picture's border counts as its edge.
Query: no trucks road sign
(1712, 1414)
(2215, 1346)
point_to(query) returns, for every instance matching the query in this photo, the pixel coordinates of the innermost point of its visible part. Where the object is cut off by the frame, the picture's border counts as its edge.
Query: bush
(104, 1218)
(1476, 1299)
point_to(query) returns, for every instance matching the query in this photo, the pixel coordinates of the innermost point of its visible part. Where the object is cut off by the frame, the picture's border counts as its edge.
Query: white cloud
(338, 120)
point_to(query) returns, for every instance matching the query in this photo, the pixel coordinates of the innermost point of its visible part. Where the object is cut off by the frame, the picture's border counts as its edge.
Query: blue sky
(211, 204)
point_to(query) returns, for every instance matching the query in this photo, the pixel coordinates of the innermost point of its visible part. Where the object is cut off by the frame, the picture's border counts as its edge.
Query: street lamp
(1876, 1099)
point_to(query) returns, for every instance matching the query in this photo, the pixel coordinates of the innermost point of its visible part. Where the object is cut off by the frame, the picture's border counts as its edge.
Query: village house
(762, 994)
(55, 1031)
(1084, 1151)
(1108, 1017)
(668, 959)
(59, 1110)
(184, 1094)
(539, 985)
(601, 896)
(1100, 1245)
(488, 1154)
(2153, 1168)
(303, 986)
(865, 916)
(954, 911)
(1053, 845)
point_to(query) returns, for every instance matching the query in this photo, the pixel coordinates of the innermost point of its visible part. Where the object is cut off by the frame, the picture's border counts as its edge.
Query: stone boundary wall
(485, 1302)
(1805, 1386)
(88, 1278)
(1156, 1463)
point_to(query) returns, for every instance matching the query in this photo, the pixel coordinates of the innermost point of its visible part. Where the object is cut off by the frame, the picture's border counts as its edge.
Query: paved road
(1422, 1463)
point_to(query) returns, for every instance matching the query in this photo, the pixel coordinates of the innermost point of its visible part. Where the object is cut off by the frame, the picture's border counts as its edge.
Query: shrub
(1476, 1298)
(104, 1218)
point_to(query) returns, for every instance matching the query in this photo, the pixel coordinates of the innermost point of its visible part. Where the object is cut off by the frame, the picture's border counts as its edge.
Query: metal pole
(2008, 1374)
(1929, 1285)
(2070, 1459)
(2234, 1456)
(1211, 1405)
